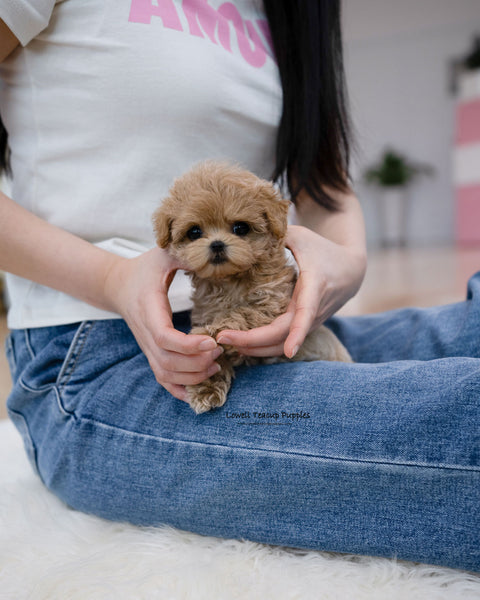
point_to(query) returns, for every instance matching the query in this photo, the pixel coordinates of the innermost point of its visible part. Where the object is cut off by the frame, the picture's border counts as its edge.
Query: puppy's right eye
(194, 233)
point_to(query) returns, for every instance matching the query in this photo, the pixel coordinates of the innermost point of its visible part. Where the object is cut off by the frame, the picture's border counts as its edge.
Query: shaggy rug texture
(50, 552)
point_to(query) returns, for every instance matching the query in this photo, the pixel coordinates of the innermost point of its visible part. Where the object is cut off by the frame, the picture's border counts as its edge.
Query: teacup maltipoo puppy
(228, 227)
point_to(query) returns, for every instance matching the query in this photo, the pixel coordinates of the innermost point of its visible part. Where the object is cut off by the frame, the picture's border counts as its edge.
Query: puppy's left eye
(240, 228)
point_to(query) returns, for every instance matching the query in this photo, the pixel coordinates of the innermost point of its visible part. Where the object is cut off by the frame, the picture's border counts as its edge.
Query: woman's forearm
(36, 250)
(345, 226)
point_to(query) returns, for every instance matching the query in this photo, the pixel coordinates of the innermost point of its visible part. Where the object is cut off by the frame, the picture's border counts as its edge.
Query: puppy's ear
(276, 209)
(162, 225)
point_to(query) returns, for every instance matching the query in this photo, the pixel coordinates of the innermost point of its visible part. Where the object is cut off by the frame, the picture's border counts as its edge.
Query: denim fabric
(379, 457)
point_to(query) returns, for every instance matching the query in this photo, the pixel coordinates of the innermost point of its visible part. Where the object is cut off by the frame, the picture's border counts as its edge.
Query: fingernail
(210, 344)
(224, 339)
(294, 351)
(215, 368)
(216, 353)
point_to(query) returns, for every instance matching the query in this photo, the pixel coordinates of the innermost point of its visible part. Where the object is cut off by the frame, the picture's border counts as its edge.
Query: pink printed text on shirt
(214, 24)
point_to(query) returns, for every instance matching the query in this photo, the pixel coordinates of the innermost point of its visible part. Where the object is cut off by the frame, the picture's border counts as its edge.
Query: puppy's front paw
(209, 394)
(207, 330)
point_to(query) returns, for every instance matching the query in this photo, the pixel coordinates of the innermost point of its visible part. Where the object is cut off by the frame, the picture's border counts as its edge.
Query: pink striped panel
(468, 214)
(468, 122)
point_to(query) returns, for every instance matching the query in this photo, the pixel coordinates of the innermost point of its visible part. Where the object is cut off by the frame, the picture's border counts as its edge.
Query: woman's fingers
(158, 321)
(174, 371)
(262, 351)
(171, 340)
(187, 378)
(307, 295)
(182, 368)
(287, 332)
(255, 342)
(191, 363)
(177, 391)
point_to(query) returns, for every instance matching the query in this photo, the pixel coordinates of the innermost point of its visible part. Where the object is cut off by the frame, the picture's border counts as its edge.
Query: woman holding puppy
(104, 105)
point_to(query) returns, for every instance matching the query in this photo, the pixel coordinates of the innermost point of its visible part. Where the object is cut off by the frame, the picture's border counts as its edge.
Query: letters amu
(202, 18)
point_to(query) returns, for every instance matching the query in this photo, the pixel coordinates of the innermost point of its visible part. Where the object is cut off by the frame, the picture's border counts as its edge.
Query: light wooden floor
(395, 278)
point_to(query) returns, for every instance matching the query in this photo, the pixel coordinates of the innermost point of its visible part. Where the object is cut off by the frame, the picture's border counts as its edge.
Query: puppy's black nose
(217, 247)
(218, 256)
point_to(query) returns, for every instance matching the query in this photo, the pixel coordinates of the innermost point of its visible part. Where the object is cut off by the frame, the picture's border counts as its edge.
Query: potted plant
(465, 71)
(393, 176)
(472, 61)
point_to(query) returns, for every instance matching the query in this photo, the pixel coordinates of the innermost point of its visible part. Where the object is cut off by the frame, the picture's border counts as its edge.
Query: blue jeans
(379, 457)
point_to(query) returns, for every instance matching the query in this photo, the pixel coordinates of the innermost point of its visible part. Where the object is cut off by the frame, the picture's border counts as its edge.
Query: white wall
(397, 57)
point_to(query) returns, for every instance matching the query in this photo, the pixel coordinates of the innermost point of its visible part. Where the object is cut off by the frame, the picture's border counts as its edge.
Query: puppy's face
(221, 221)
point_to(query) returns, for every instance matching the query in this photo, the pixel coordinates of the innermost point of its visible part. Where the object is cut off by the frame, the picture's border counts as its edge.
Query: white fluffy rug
(49, 552)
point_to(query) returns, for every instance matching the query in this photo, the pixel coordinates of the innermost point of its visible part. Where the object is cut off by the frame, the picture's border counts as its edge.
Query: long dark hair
(313, 140)
(4, 150)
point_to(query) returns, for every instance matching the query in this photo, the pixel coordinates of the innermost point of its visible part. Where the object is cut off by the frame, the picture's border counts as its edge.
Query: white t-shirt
(106, 102)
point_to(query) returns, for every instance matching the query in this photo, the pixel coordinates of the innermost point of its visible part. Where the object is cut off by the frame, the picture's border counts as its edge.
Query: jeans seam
(41, 390)
(73, 355)
(61, 407)
(44, 391)
(28, 344)
(285, 452)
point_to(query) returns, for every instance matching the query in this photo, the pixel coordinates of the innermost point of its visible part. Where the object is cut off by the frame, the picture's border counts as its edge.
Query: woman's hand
(329, 275)
(137, 289)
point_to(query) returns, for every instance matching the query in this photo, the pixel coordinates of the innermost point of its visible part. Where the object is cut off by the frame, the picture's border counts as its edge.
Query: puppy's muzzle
(218, 252)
